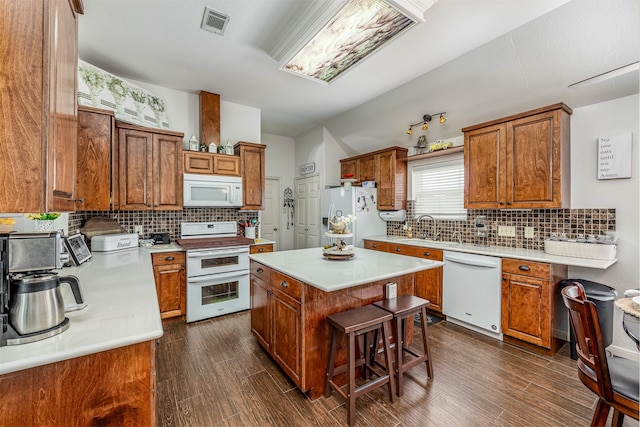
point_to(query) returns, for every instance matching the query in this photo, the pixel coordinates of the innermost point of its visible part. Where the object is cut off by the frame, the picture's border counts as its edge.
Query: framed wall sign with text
(614, 156)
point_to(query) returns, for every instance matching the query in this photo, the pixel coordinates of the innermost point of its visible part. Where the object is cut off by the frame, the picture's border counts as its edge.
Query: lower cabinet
(532, 310)
(112, 387)
(276, 317)
(428, 284)
(169, 275)
(259, 249)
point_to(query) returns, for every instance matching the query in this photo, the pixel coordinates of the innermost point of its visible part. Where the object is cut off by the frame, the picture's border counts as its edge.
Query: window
(437, 188)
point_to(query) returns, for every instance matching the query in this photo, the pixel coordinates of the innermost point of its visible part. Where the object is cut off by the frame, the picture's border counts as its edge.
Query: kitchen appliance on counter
(358, 201)
(31, 303)
(217, 269)
(114, 242)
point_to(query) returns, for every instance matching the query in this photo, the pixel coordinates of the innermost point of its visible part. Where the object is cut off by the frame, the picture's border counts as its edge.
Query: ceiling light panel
(214, 21)
(333, 39)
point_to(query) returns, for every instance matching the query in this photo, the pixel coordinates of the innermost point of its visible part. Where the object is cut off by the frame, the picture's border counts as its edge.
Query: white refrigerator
(359, 201)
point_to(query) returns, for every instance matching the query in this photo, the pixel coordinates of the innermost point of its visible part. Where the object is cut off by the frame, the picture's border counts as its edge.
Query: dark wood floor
(214, 373)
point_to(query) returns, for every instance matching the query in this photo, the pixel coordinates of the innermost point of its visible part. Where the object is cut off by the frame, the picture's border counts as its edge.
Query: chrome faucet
(459, 234)
(435, 226)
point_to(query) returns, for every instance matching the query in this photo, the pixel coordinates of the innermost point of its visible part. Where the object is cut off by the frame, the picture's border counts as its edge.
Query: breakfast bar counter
(292, 293)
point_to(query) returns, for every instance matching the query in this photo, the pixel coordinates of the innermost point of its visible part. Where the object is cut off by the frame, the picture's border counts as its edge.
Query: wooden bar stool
(405, 307)
(355, 323)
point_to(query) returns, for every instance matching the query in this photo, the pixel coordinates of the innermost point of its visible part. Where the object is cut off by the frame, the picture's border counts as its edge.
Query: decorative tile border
(545, 221)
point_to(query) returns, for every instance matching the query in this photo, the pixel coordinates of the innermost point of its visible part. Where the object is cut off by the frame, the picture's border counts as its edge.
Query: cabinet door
(525, 309)
(198, 162)
(391, 179)
(484, 160)
(349, 169)
(167, 172)
(252, 172)
(533, 172)
(135, 164)
(287, 334)
(170, 287)
(226, 165)
(93, 176)
(366, 168)
(261, 312)
(428, 283)
(61, 178)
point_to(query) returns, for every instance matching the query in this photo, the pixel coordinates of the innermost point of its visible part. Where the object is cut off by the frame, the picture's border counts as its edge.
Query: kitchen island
(292, 293)
(102, 369)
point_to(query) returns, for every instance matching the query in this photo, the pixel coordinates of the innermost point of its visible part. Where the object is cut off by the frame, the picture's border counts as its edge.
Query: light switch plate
(391, 290)
(137, 229)
(506, 231)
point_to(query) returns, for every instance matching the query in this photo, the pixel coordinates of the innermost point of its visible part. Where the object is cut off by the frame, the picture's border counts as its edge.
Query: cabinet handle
(397, 249)
(427, 253)
(374, 246)
(284, 284)
(260, 271)
(261, 250)
(501, 203)
(169, 258)
(524, 268)
(508, 203)
(80, 200)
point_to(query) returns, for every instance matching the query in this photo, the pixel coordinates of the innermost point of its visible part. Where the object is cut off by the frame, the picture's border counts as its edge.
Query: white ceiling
(475, 59)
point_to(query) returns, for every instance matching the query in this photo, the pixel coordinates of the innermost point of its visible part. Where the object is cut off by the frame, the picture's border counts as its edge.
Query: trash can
(602, 296)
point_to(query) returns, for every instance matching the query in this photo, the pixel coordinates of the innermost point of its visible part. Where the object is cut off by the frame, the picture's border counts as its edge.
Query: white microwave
(212, 191)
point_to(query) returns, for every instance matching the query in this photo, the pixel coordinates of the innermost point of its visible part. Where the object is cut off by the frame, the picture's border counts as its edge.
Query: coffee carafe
(36, 305)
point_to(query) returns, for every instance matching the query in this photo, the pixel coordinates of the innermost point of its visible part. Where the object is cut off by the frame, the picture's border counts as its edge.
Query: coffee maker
(31, 303)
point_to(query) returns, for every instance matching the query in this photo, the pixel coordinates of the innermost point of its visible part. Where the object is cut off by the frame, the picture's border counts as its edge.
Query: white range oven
(217, 269)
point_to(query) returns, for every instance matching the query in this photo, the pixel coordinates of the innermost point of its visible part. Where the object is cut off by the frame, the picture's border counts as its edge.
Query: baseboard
(623, 352)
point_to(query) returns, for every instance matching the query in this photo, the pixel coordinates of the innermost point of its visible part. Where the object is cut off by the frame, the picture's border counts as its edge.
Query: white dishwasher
(472, 292)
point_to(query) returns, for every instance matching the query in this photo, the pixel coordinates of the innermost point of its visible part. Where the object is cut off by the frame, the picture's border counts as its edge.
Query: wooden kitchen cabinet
(169, 275)
(211, 163)
(276, 317)
(519, 162)
(261, 248)
(97, 149)
(428, 283)
(532, 310)
(388, 168)
(39, 47)
(252, 173)
(112, 387)
(150, 168)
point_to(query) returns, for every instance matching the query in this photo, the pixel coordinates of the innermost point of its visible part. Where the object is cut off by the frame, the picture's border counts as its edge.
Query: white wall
(237, 122)
(310, 148)
(610, 118)
(333, 152)
(280, 163)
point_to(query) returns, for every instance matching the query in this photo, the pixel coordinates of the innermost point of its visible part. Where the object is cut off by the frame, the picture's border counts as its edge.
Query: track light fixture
(425, 121)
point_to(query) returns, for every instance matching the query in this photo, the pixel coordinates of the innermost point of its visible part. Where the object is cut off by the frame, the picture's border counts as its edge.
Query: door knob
(275, 228)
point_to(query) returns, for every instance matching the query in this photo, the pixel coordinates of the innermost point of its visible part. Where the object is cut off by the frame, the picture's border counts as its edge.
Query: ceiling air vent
(214, 21)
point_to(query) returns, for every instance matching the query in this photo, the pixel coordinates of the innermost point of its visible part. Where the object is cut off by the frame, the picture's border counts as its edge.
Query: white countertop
(309, 266)
(501, 251)
(122, 309)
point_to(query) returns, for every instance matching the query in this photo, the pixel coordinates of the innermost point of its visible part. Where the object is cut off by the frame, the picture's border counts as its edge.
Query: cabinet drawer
(260, 249)
(260, 271)
(167, 258)
(526, 268)
(377, 246)
(427, 253)
(287, 285)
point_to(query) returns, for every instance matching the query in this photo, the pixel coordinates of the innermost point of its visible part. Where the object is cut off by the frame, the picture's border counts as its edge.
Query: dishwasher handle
(469, 261)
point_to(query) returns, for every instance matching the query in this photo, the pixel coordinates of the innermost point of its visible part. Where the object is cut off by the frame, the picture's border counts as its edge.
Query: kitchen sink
(428, 242)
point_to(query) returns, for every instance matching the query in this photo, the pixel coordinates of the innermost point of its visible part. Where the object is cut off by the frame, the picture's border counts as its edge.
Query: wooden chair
(615, 380)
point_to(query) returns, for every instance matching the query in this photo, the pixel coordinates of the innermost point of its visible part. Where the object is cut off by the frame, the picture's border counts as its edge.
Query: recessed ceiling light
(336, 35)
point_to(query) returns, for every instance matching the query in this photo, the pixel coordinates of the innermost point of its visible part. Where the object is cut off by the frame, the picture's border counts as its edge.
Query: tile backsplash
(160, 221)
(544, 222)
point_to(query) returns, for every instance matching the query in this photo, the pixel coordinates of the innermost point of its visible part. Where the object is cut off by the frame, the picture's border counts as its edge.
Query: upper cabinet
(97, 151)
(39, 45)
(150, 168)
(252, 173)
(388, 168)
(211, 164)
(519, 162)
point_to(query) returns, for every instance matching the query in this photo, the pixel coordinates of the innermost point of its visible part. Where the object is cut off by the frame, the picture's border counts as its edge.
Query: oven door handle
(200, 254)
(216, 277)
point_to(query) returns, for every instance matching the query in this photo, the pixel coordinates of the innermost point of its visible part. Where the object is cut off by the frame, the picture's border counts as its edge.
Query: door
(307, 213)
(270, 218)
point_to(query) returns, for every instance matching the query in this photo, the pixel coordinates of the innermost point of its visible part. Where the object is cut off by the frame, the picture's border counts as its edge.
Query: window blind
(438, 189)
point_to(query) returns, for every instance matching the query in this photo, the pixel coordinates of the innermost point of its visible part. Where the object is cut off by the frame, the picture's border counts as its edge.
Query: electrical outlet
(529, 232)
(506, 231)
(391, 290)
(137, 229)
